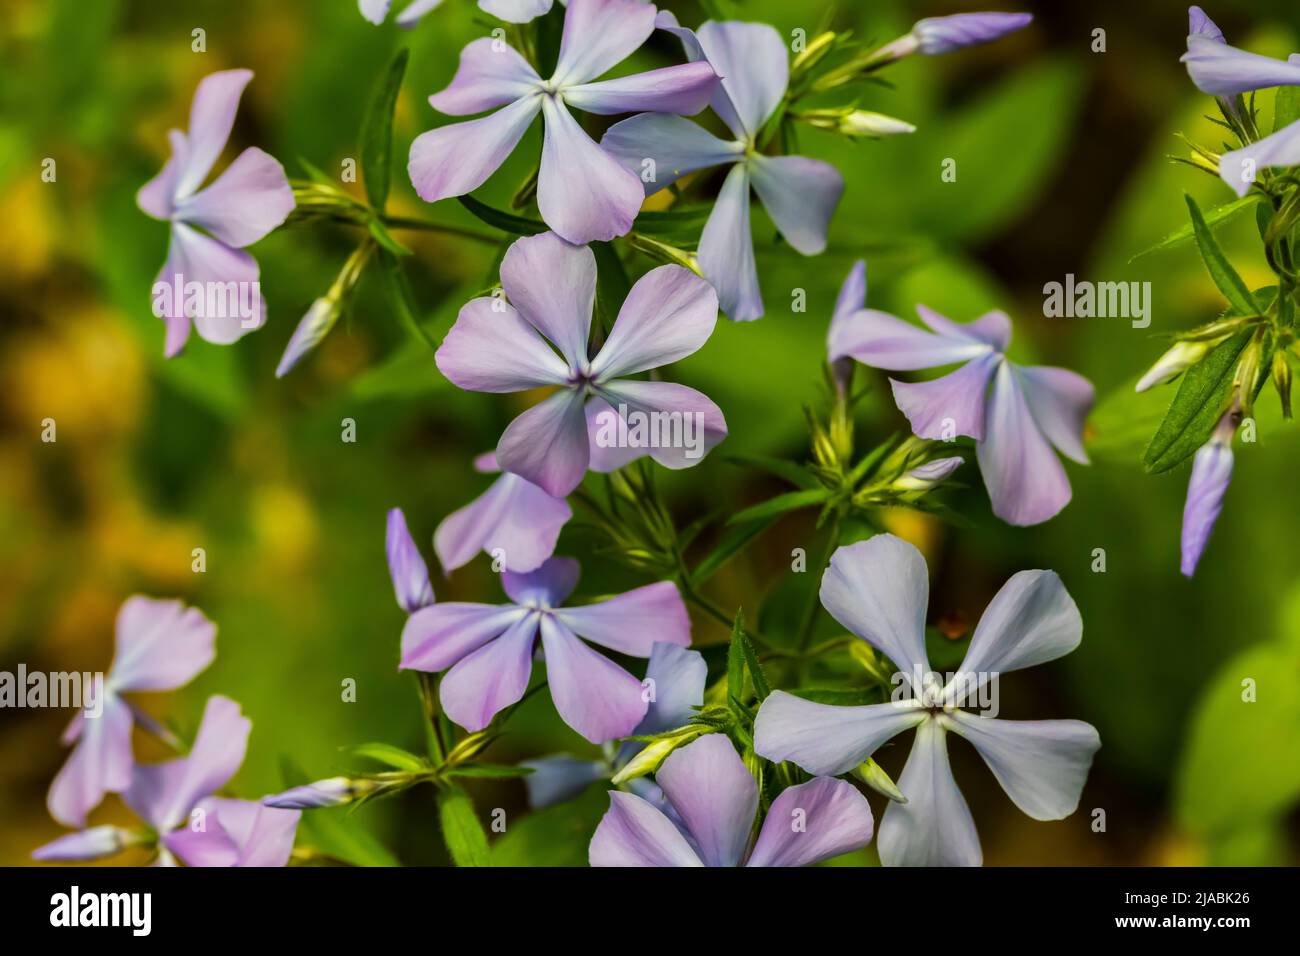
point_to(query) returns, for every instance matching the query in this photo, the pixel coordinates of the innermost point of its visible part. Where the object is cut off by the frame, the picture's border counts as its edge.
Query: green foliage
(377, 132)
(461, 829)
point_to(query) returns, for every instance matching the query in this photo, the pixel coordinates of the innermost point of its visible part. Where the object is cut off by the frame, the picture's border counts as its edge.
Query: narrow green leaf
(461, 830)
(1221, 271)
(790, 501)
(1286, 107)
(377, 132)
(793, 472)
(389, 755)
(400, 292)
(733, 540)
(840, 696)
(736, 662)
(1216, 216)
(517, 225)
(761, 687)
(489, 770)
(385, 238)
(612, 285)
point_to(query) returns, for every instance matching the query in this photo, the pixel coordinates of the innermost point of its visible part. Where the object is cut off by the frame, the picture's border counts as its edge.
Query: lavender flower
(241, 206)
(878, 590)
(715, 799)
(1238, 167)
(583, 193)
(405, 566)
(500, 347)
(511, 11)
(161, 645)
(489, 649)
(935, 35)
(1222, 70)
(331, 792)
(1211, 474)
(1015, 425)
(800, 194)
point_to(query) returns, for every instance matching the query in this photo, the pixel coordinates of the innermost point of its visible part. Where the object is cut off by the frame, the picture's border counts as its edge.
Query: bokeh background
(1062, 168)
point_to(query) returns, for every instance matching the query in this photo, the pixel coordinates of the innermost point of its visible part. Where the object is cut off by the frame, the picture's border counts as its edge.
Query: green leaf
(612, 284)
(686, 221)
(504, 221)
(400, 293)
(1216, 216)
(733, 540)
(1286, 107)
(1196, 408)
(385, 238)
(761, 687)
(492, 771)
(839, 696)
(790, 501)
(790, 471)
(461, 830)
(556, 836)
(736, 661)
(1221, 271)
(334, 831)
(377, 132)
(389, 755)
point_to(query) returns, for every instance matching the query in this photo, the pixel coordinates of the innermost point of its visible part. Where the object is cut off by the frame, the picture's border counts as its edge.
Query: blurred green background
(1062, 168)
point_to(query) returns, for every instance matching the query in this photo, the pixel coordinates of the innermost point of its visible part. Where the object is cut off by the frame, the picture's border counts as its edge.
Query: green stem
(423, 225)
(814, 598)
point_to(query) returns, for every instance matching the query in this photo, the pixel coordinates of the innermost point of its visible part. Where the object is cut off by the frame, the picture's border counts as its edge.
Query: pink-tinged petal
(1239, 167)
(264, 835)
(726, 252)
(752, 60)
(632, 622)
(456, 159)
(492, 349)
(800, 195)
(490, 74)
(825, 739)
(599, 35)
(811, 822)
(684, 89)
(991, 328)
(229, 282)
(879, 589)
(415, 11)
(1041, 764)
(884, 341)
(1060, 401)
(548, 445)
(677, 425)
(164, 794)
(934, 827)
(634, 833)
(212, 116)
(669, 314)
(606, 455)
(1222, 70)
(592, 694)
(660, 148)
(583, 192)
(100, 764)
(161, 645)
(675, 678)
(549, 585)
(1199, 23)
(491, 678)
(374, 10)
(553, 285)
(1025, 479)
(515, 11)
(92, 844)
(1211, 474)
(207, 847)
(157, 197)
(559, 778)
(405, 566)
(951, 405)
(715, 796)
(1031, 620)
(513, 517)
(244, 203)
(852, 298)
(436, 637)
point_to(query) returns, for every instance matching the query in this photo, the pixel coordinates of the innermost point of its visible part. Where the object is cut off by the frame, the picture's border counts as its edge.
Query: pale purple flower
(926, 476)
(175, 800)
(1238, 168)
(511, 11)
(1015, 423)
(331, 792)
(583, 193)
(241, 206)
(878, 589)
(160, 645)
(800, 194)
(489, 649)
(405, 565)
(514, 519)
(1222, 70)
(1211, 474)
(936, 35)
(677, 676)
(511, 347)
(715, 798)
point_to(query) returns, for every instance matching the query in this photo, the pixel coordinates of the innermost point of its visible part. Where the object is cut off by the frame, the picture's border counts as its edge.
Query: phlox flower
(583, 193)
(160, 645)
(714, 798)
(1211, 475)
(878, 589)
(496, 346)
(185, 821)
(238, 208)
(800, 194)
(406, 567)
(1016, 421)
(487, 650)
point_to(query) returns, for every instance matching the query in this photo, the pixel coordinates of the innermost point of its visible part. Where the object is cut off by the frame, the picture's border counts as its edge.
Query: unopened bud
(864, 123)
(874, 777)
(1178, 359)
(331, 792)
(924, 477)
(812, 54)
(652, 755)
(1282, 381)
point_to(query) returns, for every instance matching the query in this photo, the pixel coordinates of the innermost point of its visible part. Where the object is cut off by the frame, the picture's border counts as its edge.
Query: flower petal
(548, 444)
(945, 34)
(879, 589)
(752, 60)
(161, 644)
(491, 348)
(249, 199)
(660, 148)
(714, 794)
(950, 405)
(405, 566)
(456, 159)
(264, 835)
(800, 195)
(212, 116)
(934, 827)
(1238, 168)
(583, 193)
(488, 680)
(92, 844)
(1041, 764)
(101, 763)
(823, 738)
(599, 35)
(684, 89)
(679, 424)
(726, 251)
(1211, 474)
(852, 298)
(490, 74)
(1060, 401)
(632, 622)
(210, 846)
(553, 285)
(513, 517)
(669, 314)
(548, 585)
(884, 341)
(991, 328)
(157, 197)
(593, 695)
(559, 778)
(515, 11)
(607, 454)
(811, 822)
(436, 637)
(676, 678)
(1222, 70)
(217, 269)
(633, 833)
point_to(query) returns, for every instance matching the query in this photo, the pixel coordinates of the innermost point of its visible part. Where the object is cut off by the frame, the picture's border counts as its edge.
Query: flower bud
(874, 777)
(1178, 359)
(858, 124)
(1282, 381)
(812, 54)
(936, 35)
(324, 312)
(652, 755)
(332, 792)
(90, 844)
(924, 477)
(1211, 473)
